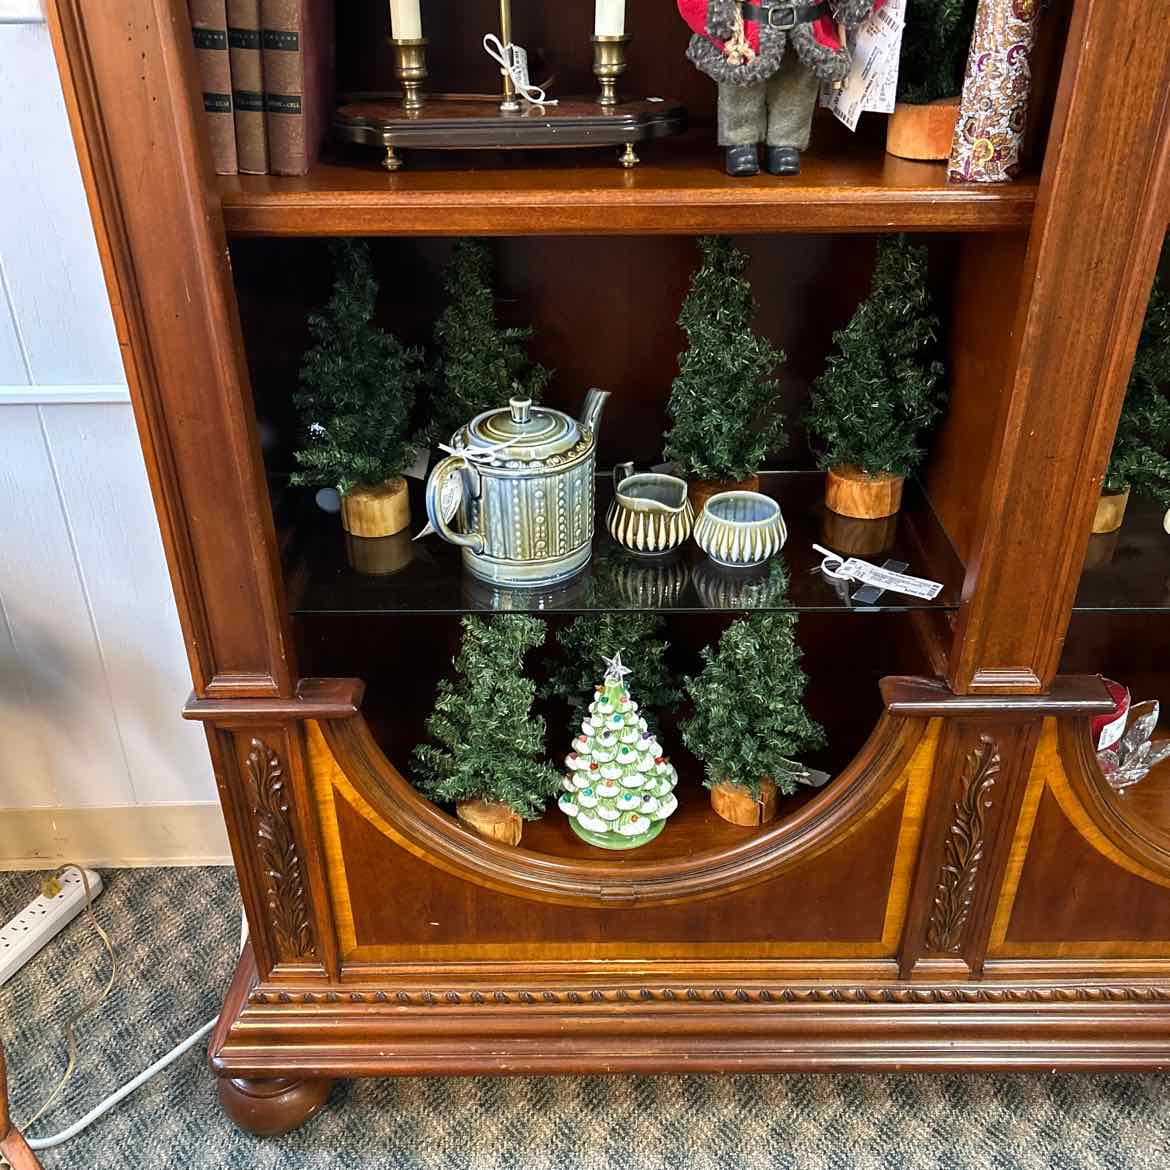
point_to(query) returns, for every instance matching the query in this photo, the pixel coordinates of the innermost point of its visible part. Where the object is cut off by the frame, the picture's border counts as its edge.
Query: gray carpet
(176, 932)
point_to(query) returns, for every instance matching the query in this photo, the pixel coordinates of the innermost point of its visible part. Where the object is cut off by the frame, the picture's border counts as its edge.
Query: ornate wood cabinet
(967, 891)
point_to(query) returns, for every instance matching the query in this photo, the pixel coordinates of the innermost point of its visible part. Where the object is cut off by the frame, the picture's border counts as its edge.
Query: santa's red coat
(824, 28)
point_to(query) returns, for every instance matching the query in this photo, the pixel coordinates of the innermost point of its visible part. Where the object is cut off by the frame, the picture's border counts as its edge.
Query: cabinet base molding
(571, 1027)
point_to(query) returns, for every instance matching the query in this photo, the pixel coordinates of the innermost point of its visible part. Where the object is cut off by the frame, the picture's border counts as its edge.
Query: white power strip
(43, 919)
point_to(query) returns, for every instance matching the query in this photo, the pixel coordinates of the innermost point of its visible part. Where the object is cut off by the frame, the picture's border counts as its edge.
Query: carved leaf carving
(963, 851)
(284, 886)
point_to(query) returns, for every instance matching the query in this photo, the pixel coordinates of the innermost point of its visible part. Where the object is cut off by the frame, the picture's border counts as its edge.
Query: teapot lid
(522, 432)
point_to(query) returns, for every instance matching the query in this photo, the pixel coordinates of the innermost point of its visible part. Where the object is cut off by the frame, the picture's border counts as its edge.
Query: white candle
(609, 18)
(405, 20)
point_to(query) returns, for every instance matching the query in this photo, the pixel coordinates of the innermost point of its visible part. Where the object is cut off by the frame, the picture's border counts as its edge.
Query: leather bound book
(297, 41)
(243, 18)
(209, 31)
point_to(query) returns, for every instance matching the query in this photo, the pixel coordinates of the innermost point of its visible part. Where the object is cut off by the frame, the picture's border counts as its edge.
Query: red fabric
(824, 28)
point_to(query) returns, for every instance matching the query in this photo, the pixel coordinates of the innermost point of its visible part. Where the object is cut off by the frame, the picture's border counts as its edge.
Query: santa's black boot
(742, 160)
(783, 160)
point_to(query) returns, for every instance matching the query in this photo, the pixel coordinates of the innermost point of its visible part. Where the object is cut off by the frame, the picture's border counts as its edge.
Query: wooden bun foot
(269, 1108)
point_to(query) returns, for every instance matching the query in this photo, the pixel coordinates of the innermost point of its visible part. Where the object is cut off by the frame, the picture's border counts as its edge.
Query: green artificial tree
(749, 721)
(935, 45)
(479, 365)
(638, 637)
(882, 388)
(1141, 449)
(618, 788)
(490, 746)
(722, 406)
(357, 385)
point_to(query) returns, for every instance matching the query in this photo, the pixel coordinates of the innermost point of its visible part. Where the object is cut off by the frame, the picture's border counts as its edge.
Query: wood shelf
(678, 189)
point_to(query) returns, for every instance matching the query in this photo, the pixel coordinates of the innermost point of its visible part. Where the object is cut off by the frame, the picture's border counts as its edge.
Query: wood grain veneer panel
(392, 903)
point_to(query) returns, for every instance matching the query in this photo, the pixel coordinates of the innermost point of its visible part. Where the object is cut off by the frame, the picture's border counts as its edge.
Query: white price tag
(869, 574)
(873, 77)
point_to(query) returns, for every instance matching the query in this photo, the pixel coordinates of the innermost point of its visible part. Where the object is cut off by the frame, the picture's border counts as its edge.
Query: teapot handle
(621, 471)
(452, 465)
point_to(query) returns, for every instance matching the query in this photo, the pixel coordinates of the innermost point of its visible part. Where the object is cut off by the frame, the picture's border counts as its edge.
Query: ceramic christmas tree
(618, 788)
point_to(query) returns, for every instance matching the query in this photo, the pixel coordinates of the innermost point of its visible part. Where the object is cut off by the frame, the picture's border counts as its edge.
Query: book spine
(297, 42)
(209, 32)
(248, 85)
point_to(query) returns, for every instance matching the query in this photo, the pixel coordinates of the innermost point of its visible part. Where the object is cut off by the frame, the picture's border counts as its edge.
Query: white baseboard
(110, 838)
(61, 395)
(21, 12)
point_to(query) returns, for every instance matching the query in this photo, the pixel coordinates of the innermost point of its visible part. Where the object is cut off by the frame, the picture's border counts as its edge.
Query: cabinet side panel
(129, 86)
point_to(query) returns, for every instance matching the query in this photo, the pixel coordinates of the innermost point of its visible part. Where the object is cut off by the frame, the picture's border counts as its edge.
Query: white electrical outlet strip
(43, 919)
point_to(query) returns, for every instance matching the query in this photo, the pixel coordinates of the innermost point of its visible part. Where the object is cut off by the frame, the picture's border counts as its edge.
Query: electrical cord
(103, 1107)
(51, 889)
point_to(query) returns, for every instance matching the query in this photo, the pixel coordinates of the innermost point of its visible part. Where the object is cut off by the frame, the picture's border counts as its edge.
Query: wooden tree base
(1110, 512)
(850, 492)
(269, 1108)
(922, 132)
(491, 819)
(735, 803)
(375, 510)
(699, 491)
(379, 556)
(857, 538)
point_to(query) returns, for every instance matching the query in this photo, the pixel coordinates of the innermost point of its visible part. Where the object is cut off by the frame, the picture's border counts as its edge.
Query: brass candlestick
(510, 103)
(410, 67)
(609, 63)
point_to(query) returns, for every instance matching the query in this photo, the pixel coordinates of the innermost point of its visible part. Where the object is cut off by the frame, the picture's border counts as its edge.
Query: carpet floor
(176, 933)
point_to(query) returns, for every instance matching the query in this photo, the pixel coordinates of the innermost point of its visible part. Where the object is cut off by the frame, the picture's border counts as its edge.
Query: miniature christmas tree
(490, 745)
(639, 635)
(881, 388)
(935, 44)
(749, 719)
(723, 402)
(357, 386)
(619, 788)
(480, 365)
(1142, 446)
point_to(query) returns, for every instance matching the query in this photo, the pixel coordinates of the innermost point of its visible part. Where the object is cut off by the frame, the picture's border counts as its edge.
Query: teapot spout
(591, 410)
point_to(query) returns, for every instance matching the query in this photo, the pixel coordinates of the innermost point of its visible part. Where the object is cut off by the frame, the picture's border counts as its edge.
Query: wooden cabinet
(966, 891)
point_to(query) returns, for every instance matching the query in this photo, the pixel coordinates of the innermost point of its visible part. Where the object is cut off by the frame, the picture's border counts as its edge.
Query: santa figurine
(769, 61)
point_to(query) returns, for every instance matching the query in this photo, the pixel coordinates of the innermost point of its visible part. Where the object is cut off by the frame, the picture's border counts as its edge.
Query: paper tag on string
(873, 77)
(513, 60)
(869, 574)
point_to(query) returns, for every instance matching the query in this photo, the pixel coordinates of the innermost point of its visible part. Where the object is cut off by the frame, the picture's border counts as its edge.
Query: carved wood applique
(963, 851)
(284, 885)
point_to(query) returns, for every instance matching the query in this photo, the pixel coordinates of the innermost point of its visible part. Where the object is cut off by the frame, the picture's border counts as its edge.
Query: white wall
(92, 669)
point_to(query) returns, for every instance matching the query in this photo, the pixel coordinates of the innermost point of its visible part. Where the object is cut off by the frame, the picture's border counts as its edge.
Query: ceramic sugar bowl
(740, 529)
(650, 513)
(519, 485)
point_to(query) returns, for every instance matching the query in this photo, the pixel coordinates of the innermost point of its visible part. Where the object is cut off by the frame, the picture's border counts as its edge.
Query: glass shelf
(427, 576)
(1128, 571)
